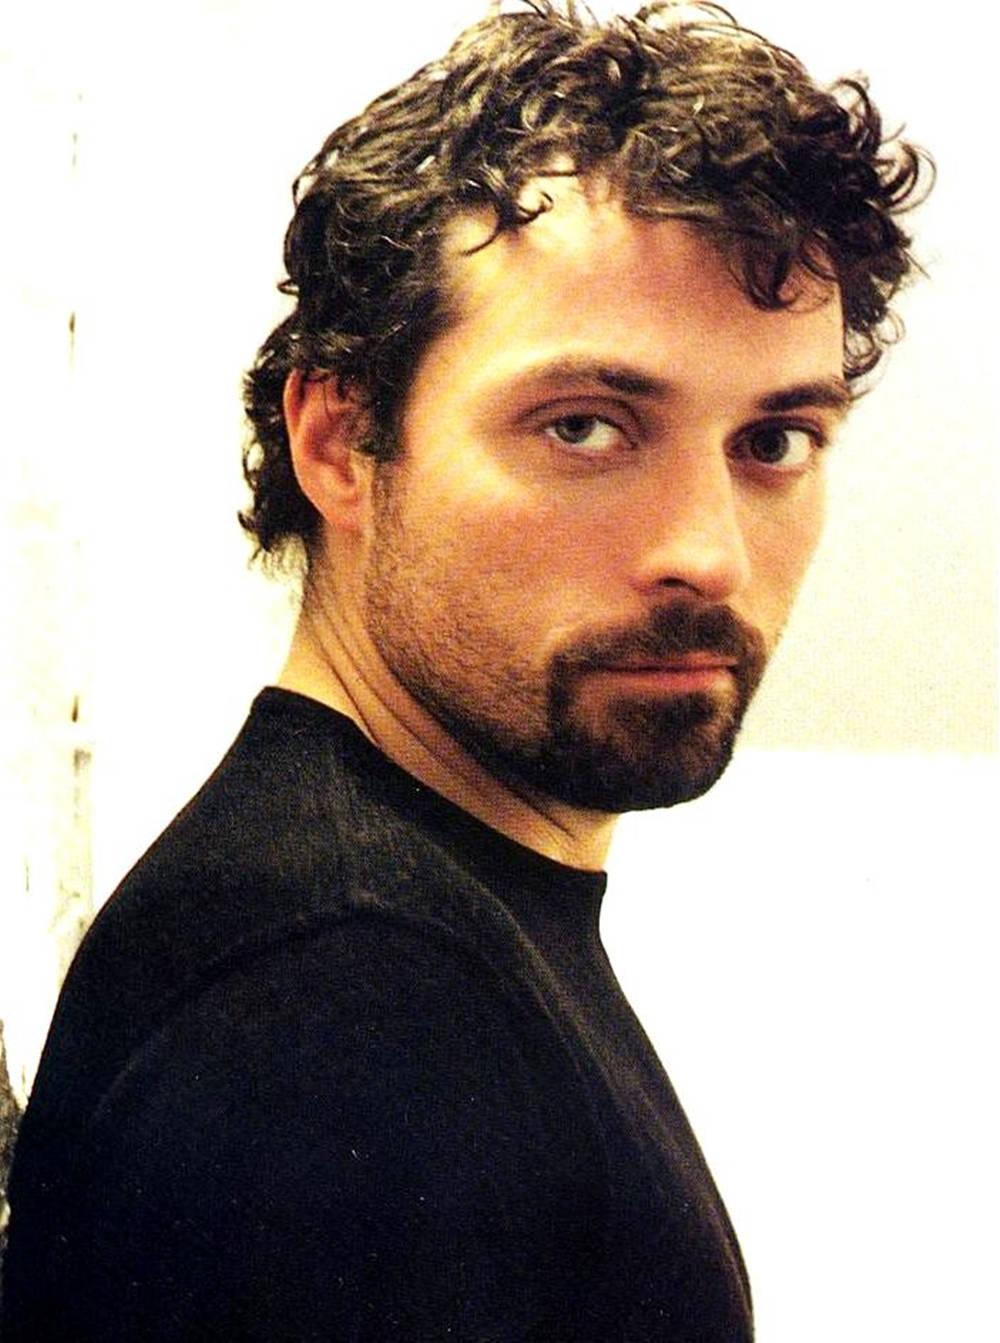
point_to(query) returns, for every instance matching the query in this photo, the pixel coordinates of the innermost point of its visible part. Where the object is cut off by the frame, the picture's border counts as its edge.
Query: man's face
(610, 486)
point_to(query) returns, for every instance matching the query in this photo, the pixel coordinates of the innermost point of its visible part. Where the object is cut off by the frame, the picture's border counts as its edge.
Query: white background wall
(811, 945)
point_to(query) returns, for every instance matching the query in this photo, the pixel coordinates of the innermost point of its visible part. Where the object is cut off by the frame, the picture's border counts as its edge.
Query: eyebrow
(831, 393)
(619, 378)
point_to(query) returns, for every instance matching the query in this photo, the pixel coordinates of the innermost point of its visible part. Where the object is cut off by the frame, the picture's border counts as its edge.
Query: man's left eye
(585, 431)
(785, 447)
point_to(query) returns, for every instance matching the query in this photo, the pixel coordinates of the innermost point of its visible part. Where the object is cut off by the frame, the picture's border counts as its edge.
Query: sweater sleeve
(357, 1136)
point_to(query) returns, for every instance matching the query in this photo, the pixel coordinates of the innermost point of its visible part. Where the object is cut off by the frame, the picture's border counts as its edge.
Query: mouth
(679, 674)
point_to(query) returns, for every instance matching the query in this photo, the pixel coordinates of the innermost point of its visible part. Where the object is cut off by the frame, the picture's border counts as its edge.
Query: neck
(327, 665)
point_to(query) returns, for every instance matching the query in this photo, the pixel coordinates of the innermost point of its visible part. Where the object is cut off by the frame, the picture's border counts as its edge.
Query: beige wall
(190, 130)
(829, 902)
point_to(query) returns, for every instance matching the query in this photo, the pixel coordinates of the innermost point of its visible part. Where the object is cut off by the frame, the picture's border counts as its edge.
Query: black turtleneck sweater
(339, 1062)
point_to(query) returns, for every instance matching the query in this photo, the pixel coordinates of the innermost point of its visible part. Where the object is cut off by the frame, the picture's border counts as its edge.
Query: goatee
(629, 751)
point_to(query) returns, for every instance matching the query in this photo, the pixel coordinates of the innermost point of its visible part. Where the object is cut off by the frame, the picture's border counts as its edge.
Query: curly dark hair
(682, 111)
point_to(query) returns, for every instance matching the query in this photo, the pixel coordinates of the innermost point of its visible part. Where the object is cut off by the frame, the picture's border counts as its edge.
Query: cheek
(782, 542)
(509, 532)
(479, 564)
(532, 576)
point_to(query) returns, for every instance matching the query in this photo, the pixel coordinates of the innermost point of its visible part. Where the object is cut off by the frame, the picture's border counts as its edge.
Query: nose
(694, 536)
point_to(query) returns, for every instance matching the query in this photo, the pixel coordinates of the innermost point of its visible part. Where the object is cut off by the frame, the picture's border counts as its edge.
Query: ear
(325, 425)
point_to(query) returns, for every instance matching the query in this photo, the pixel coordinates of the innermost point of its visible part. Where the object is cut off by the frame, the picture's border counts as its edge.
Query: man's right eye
(590, 432)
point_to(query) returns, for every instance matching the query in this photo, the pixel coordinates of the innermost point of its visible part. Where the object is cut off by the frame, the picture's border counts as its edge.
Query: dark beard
(645, 751)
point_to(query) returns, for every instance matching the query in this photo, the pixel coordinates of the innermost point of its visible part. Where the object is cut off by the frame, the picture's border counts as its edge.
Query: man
(578, 311)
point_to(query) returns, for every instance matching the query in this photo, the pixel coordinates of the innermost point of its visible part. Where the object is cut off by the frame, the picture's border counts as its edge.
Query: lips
(684, 662)
(678, 675)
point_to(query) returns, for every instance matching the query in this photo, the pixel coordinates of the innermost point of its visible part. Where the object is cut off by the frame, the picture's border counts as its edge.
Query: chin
(649, 755)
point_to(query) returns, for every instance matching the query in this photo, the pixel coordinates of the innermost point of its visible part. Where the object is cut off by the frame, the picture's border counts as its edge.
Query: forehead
(587, 279)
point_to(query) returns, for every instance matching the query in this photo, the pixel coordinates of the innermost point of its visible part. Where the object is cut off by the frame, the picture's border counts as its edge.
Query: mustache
(671, 631)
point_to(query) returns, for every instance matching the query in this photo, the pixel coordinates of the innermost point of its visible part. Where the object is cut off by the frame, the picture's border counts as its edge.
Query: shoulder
(299, 1041)
(287, 839)
(340, 1114)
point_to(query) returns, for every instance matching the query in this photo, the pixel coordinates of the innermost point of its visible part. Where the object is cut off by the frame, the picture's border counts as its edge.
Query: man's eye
(585, 431)
(785, 447)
